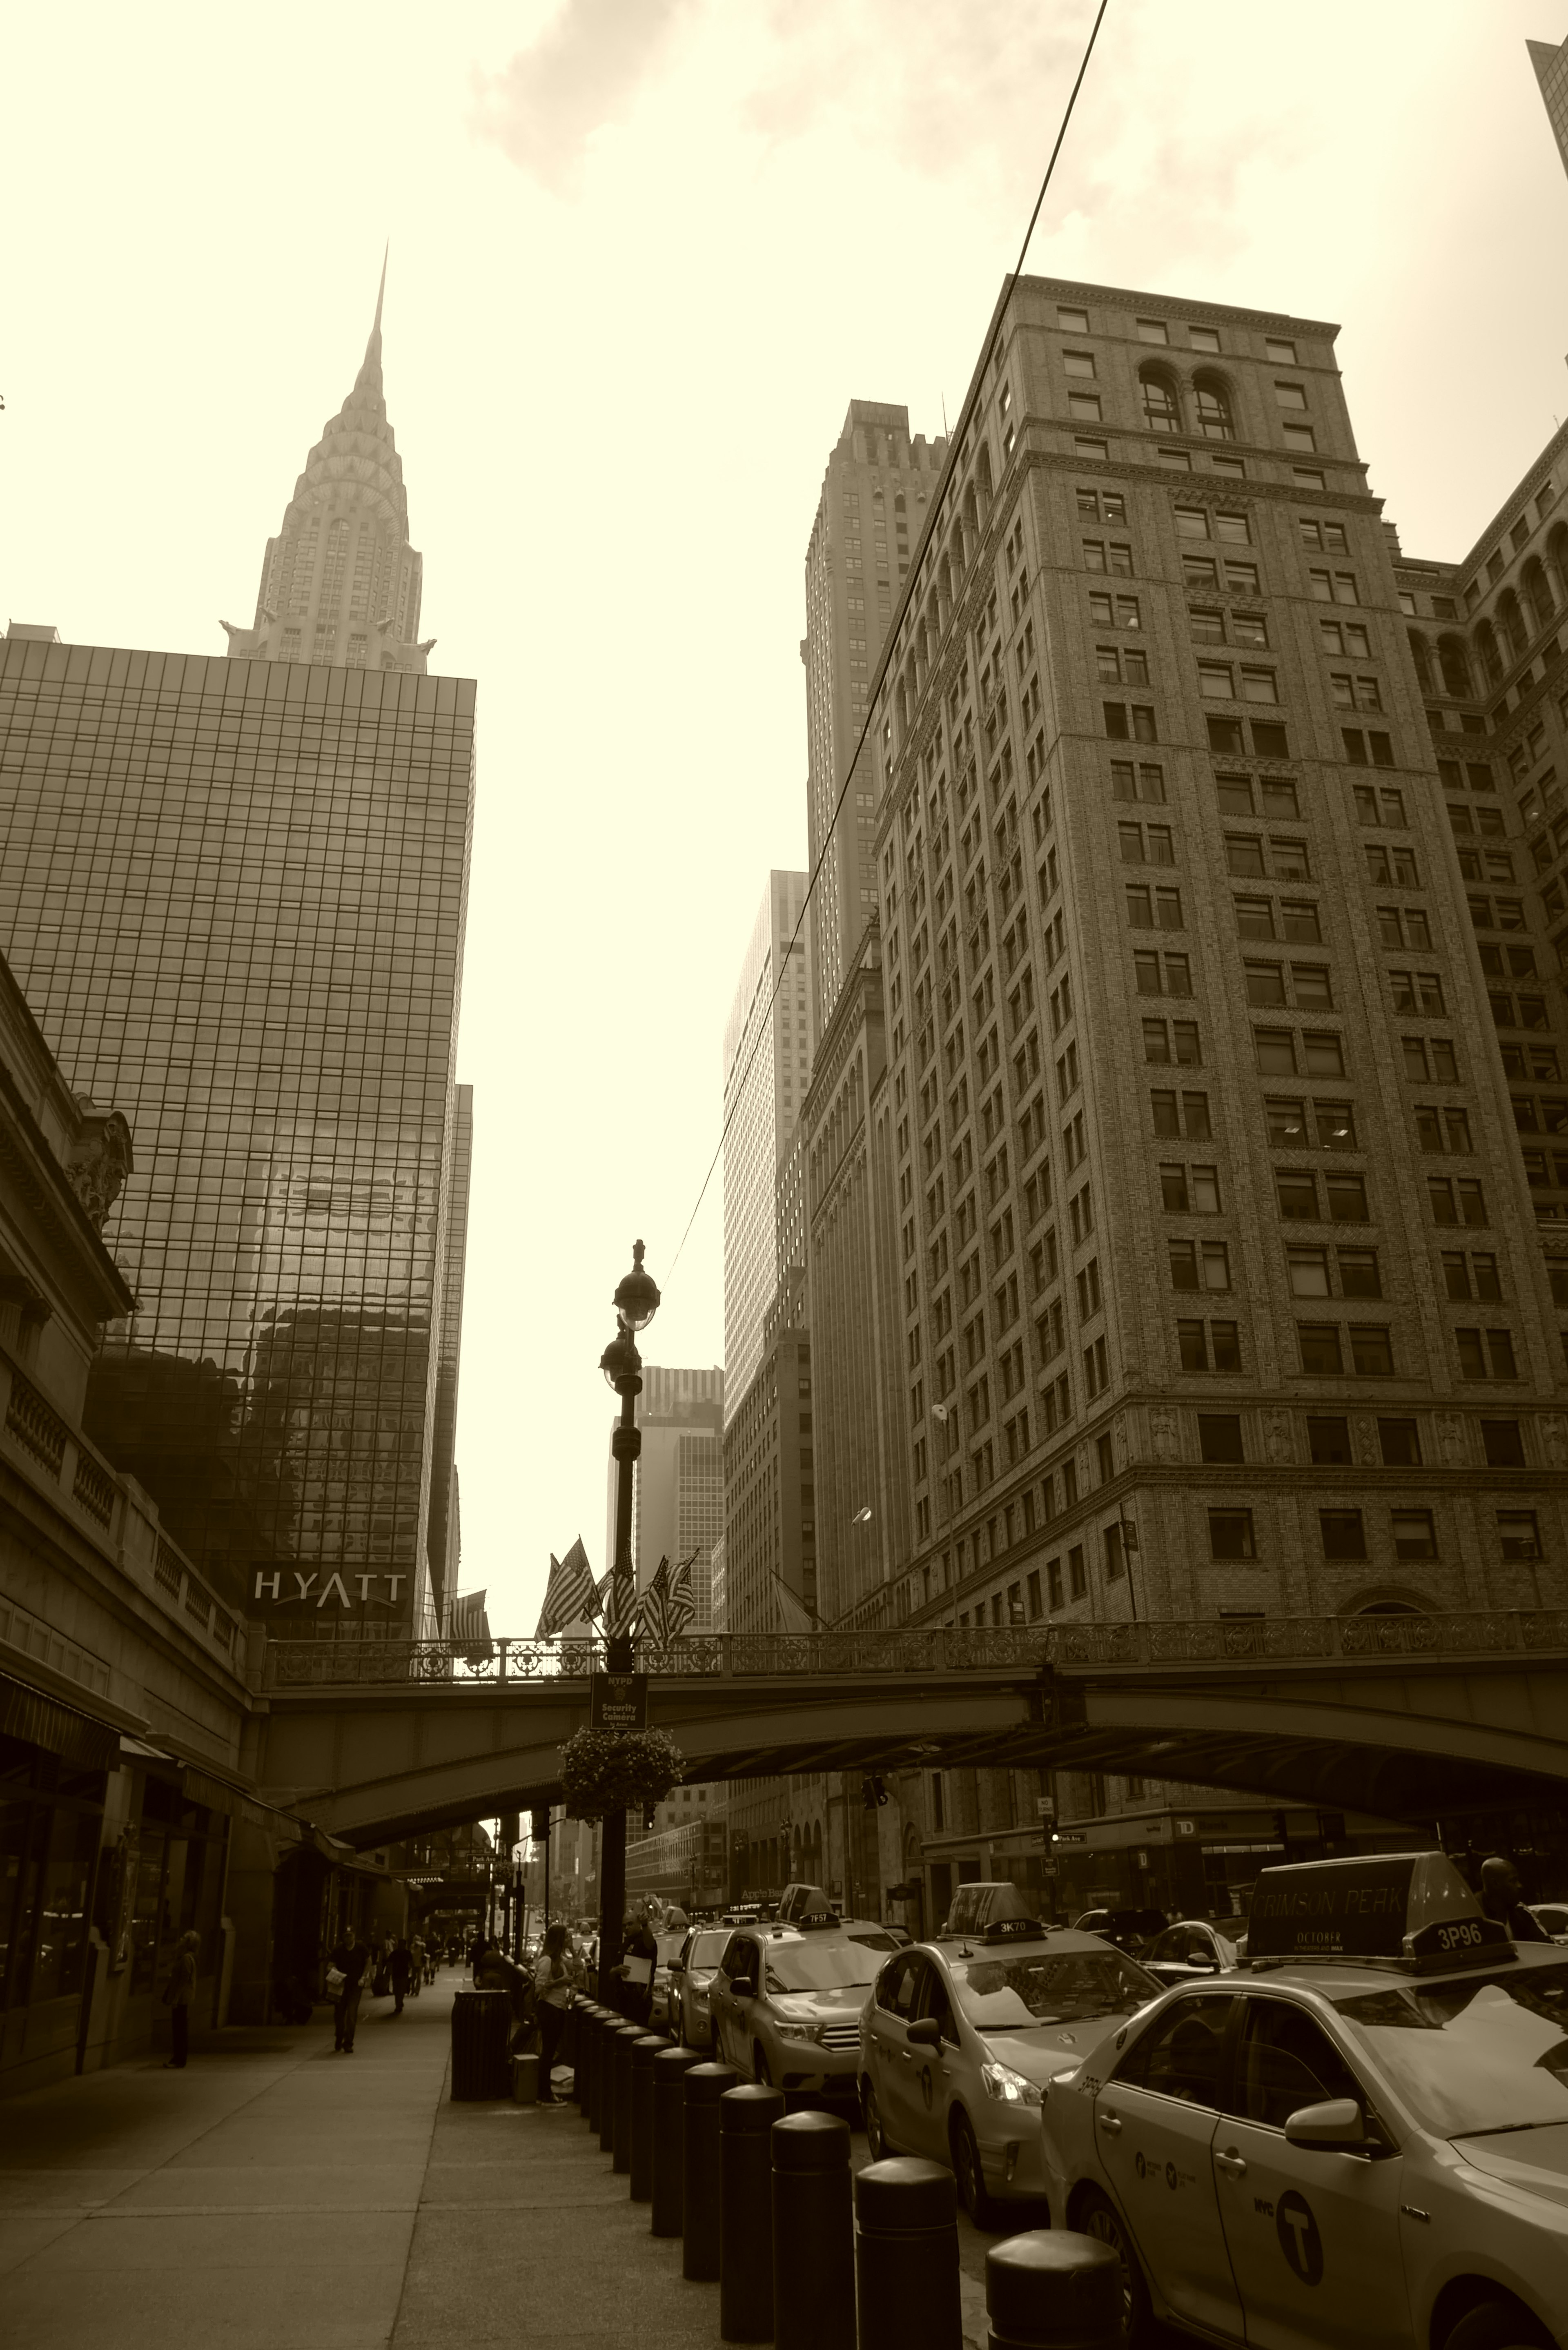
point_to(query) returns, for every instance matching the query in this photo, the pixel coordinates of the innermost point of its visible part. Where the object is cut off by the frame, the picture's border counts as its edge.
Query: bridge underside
(374, 1765)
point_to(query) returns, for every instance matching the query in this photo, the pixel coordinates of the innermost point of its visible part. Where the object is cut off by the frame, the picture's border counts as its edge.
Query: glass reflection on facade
(233, 892)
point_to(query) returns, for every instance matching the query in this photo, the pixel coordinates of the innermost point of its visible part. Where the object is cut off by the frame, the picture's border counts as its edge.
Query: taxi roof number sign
(1409, 1909)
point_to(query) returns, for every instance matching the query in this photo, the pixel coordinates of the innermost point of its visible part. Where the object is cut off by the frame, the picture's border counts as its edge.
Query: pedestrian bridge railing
(918, 1651)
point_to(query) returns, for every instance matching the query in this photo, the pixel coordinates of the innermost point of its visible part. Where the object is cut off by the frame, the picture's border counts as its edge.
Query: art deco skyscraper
(1551, 63)
(873, 504)
(340, 585)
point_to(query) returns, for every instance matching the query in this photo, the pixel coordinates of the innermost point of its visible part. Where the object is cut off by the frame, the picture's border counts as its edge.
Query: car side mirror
(676, 1967)
(1334, 2127)
(924, 2033)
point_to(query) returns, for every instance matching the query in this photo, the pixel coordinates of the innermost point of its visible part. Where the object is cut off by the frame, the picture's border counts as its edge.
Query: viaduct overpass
(1409, 1717)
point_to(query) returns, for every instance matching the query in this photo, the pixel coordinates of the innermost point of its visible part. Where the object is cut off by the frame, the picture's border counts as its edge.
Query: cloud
(585, 70)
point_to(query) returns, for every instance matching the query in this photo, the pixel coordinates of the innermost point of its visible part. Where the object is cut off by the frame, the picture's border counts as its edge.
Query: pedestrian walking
(551, 1999)
(177, 1994)
(399, 1974)
(348, 1963)
(417, 1962)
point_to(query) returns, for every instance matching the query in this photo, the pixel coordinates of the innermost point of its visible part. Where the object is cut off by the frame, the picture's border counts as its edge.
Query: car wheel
(970, 2174)
(879, 2144)
(1497, 2326)
(1101, 2219)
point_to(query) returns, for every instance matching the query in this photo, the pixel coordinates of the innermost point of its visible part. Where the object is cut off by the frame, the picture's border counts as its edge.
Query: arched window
(1510, 620)
(1421, 651)
(1454, 663)
(1215, 420)
(1487, 653)
(1557, 559)
(1161, 406)
(1537, 595)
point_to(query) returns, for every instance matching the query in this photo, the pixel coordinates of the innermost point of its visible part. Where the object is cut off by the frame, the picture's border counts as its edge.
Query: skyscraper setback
(873, 502)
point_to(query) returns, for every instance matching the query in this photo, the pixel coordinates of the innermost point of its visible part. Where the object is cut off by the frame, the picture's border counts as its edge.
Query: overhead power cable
(785, 959)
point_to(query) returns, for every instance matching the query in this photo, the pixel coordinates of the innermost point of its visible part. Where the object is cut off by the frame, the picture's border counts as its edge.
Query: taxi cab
(961, 2035)
(785, 2000)
(1359, 2138)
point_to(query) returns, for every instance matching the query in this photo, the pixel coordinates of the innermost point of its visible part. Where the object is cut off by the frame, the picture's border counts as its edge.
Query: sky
(643, 253)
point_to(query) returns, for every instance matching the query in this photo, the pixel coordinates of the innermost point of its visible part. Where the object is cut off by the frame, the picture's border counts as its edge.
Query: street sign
(1072, 1835)
(1045, 1808)
(617, 1700)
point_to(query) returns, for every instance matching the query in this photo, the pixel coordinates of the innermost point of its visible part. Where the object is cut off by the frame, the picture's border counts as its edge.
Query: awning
(76, 1738)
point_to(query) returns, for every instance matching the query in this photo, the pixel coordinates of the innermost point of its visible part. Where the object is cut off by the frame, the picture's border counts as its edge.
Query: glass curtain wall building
(233, 892)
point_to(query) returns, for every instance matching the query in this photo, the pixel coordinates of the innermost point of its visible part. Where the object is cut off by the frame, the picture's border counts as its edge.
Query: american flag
(470, 1627)
(570, 1595)
(680, 1606)
(653, 1619)
(616, 1603)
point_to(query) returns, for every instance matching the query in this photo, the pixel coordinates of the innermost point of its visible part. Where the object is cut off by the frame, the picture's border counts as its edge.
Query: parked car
(668, 1947)
(691, 1976)
(1129, 1929)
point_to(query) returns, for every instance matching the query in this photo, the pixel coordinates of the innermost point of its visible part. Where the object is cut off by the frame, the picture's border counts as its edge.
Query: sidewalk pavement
(277, 2196)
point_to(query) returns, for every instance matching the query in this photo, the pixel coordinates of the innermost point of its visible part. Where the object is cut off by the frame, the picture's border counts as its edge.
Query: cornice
(1175, 306)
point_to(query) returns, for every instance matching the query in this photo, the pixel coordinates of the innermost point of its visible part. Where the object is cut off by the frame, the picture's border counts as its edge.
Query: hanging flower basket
(618, 1770)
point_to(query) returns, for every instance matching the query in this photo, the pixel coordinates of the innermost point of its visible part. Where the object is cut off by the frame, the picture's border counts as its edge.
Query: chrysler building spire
(340, 585)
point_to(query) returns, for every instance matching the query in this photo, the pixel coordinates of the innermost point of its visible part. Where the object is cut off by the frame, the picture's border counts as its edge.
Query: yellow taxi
(785, 2000)
(1359, 2138)
(961, 2035)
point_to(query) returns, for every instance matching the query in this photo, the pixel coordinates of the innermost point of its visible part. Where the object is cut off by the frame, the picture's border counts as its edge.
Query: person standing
(639, 1957)
(417, 1962)
(351, 1958)
(399, 1973)
(1502, 1899)
(552, 1999)
(177, 1994)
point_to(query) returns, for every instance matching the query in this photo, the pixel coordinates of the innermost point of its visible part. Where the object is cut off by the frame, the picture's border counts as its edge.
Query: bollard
(669, 2071)
(623, 2042)
(746, 2212)
(814, 2234)
(614, 2026)
(1055, 2289)
(525, 2080)
(704, 2085)
(907, 2256)
(644, 2050)
(594, 2022)
(582, 2046)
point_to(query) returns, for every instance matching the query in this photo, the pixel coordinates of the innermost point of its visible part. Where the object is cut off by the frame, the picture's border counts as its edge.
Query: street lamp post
(636, 1303)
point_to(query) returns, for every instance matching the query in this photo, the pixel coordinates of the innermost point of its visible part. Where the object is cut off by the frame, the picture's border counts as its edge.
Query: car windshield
(708, 1949)
(1005, 1994)
(1490, 2053)
(846, 1964)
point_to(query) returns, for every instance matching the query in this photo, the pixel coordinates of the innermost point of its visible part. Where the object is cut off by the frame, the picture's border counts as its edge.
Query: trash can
(480, 2028)
(525, 2079)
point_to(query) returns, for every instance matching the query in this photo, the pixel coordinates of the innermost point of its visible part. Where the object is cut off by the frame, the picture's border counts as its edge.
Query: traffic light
(539, 1823)
(872, 1793)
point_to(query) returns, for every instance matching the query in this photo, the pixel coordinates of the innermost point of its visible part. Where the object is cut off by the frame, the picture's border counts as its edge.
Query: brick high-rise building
(873, 504)
(1218, 1281)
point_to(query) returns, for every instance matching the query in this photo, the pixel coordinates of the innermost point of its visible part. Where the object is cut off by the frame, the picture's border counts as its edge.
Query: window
(1151, 844)
(1323, 538)
(1215, 680)
(1485, 1354)
(1208, 628)
(1328, 1441)
(1400, 1442)
(1417, 991)
(1504, 1444)
(1343, 1536)
(1161, 408)
(1172, 1042)
(1519, 1535)
(1281, 352)
(1219, 1437)
(1415, 1535)
(1152, 330)
(1391, 863)
(1358, 1273)
(1189, 1190)
(1199, 1264)
(1367, 749)
(1351, 690)
(1144, 782)
(1442, 1129)
(1259, 684)
(1168, 975)
(1346, 637)
(1459, 1202)
(1320, 1348)
(1290, 395)
(1180, 1115)
(1295, 1189)
(1230, 1534)
(1404, 926)
(1212, 402)
(1073, 322)
(1376, 806)
(1371, 1350)
(1346, 1196)
(1079, 363)
(1212, 1345)
(1129, 723)
(1472, 1275)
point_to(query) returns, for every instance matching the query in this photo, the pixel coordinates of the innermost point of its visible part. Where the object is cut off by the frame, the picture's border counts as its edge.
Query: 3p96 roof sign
(1409, 1909)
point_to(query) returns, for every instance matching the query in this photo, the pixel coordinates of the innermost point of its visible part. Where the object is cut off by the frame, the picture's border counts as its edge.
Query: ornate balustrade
(935, 1651)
